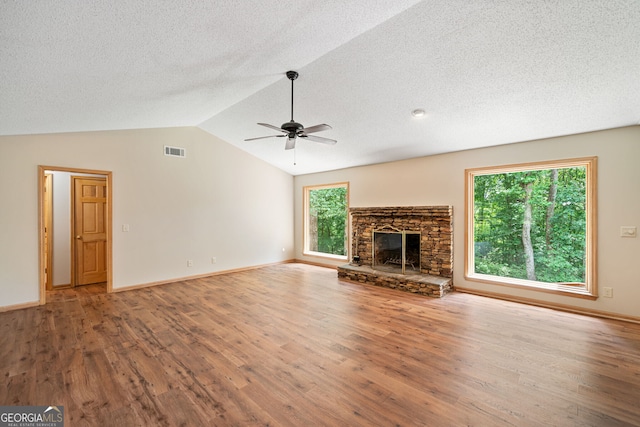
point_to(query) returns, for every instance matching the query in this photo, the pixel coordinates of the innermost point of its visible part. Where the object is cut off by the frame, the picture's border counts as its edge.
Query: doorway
(83, 203)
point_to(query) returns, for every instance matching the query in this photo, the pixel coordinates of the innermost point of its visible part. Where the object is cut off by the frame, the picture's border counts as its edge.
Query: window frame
(305, 222)
(590, 289)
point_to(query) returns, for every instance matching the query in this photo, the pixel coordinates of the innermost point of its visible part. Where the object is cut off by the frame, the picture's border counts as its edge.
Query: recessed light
(418, 112)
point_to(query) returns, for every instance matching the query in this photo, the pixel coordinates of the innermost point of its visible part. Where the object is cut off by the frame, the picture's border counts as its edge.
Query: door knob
(79, 237)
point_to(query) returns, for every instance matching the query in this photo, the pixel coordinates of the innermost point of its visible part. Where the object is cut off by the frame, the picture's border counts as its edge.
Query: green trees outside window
(533, 223)
(326, 213)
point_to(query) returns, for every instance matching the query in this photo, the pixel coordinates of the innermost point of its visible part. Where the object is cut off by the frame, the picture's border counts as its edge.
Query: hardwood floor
(291, 345)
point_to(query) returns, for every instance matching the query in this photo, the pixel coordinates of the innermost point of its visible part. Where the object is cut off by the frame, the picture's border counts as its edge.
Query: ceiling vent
(174, 151)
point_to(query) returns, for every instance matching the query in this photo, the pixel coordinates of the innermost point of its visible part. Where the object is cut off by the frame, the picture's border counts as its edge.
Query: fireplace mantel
(435, 225)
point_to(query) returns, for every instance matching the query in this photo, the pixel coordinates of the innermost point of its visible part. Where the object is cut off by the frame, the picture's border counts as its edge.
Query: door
(90, 230)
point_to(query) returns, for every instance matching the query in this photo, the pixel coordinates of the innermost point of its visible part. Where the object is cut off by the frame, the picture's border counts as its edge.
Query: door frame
(47, 206)
(41, 222)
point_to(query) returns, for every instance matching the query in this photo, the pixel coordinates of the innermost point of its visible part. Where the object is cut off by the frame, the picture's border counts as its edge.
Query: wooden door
(90, 230)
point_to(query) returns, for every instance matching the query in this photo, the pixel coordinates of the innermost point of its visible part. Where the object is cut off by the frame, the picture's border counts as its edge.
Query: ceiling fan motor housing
(292, 127)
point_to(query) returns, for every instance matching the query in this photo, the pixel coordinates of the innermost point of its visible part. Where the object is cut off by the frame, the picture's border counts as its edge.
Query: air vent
(174, 151)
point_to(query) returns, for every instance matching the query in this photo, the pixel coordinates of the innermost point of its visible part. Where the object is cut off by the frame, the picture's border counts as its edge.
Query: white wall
(61, 229)
(218, 201)
(439, 180)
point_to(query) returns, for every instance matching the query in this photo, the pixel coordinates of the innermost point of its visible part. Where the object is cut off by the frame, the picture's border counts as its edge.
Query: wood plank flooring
(291, 345)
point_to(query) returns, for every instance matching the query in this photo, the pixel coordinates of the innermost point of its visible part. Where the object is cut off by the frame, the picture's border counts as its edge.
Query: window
(533, 225)
(326, 210)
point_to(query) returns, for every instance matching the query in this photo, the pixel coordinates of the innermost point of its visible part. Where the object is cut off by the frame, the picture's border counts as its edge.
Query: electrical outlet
(607, 292)
(125, 228)
(213, 260)
(628, 231)
(189, 263)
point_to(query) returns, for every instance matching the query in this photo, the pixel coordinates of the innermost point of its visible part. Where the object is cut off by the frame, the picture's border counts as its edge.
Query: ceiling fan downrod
(292, 75)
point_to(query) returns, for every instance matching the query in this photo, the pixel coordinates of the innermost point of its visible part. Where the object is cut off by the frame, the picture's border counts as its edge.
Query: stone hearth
(423, 284)
(435, 225)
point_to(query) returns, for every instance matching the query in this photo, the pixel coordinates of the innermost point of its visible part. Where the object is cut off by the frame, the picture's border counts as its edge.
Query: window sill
(326, 256)
(577, 290)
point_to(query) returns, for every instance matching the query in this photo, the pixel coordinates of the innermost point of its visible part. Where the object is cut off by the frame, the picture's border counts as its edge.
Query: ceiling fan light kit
(292, 129)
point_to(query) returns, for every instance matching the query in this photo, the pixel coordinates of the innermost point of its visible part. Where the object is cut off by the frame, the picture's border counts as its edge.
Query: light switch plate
(628, 231)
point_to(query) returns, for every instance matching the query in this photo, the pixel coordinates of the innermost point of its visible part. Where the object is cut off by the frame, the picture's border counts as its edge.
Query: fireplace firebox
(396, 251)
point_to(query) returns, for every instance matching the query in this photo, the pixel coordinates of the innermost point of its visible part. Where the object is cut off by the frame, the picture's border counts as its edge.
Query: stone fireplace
(406, 248)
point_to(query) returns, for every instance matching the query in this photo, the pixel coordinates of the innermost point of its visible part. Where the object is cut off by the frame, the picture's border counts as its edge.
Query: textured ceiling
(486, 72)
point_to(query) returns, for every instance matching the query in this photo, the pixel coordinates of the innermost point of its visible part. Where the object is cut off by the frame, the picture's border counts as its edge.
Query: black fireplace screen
(397, 251)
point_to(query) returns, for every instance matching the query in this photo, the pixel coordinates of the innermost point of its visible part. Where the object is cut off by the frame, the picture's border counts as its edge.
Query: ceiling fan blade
(319, 139)
(291, 143)
(272, 127)
(263, 137)
(316, 128)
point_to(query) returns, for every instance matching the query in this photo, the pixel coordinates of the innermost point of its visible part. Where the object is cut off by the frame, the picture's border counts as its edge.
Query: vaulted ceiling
(485, 72)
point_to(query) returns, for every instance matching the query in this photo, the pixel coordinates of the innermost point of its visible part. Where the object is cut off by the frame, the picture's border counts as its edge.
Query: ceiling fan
(292, 129)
